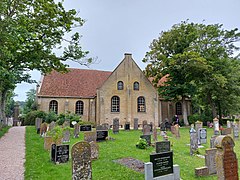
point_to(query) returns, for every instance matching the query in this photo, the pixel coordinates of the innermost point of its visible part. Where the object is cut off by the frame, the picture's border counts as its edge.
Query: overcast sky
(113, 28)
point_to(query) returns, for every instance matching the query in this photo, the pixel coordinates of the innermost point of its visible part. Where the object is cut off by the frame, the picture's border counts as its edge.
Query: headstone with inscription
(162, 163)
(76, 130)
(162, 146)
(210, 160)
(86, 128)
(115, 125)
(198, 125)
(66, 135)
(90, 136)
(193, 140)
(135, 124)
(94, 150)
(216, 126)
(60, 153)
(147, 138)
(146, 129)
(102, 135)
(202, 135)
(226, 159)
(81, 161)
(235, 131)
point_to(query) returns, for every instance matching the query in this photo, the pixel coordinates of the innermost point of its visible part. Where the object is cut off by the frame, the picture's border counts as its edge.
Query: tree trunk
(3, 106)
(184, 107)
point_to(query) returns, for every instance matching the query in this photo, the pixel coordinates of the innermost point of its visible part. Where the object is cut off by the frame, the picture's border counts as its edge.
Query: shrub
(142, 144)
(29, 118)
(51, 116)
(69, 116)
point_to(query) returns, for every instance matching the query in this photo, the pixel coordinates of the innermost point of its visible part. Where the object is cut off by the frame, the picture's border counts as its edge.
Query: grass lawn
(38, 165)
(4, 130)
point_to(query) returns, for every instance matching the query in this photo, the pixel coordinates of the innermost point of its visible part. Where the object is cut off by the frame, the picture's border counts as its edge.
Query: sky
(113, 28)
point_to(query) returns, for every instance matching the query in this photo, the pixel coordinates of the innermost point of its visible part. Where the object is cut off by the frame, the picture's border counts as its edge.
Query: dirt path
(12, 154)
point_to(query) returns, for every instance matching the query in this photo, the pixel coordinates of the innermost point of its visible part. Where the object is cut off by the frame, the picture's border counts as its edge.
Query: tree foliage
(30, 32)
(199, 61)
(30, 103)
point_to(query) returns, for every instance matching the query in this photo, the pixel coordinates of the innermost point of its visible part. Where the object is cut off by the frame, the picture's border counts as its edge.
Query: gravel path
(12, 154)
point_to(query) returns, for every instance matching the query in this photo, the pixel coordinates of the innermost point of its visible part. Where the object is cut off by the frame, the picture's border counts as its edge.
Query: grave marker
(102, 135)
(193, 140)
(85, 128)
(216, 126)
(202, 135)
(115, 125)
(147, 137)
(81, 161)
(60, 153)
(162, 146)
(51, 125)
(94, 150)
(146, 129)
(235, 131)
(135, 124)
(66, 135)
(90, 136)
(210, 160)
(76, 130)
(127, 126)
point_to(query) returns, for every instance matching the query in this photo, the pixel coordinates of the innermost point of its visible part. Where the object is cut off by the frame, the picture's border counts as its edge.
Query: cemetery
(112, 153)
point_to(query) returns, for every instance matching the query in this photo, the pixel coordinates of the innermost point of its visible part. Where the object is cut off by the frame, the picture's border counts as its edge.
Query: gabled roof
(76, 83)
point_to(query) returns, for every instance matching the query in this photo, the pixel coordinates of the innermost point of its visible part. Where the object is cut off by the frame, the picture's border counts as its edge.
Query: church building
(101, 96)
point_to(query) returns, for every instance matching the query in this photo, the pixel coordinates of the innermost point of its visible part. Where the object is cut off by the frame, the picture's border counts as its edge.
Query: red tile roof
(76, 83)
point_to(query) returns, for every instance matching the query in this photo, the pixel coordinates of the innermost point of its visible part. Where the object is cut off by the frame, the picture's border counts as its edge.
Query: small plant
(142, 144)
(56, 133)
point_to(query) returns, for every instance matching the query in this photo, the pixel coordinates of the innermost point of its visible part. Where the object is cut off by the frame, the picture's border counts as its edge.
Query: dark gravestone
(85, 128)
(127, 126)
(151, 126)
(60, 153)
(101, 128)
(147, 138)
(162, 146)
(162, 163)
(162, 127)
(90, 136)
(81, 161)
(101, 135)
(135, 124)
(115, 125)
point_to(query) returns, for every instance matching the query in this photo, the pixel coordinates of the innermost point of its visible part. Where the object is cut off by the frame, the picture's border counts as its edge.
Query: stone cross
(226, 159)
(81, 161)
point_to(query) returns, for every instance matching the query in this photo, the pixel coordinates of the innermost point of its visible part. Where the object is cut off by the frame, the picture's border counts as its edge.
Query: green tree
(191, 55)
(31, 31)
(30, 103)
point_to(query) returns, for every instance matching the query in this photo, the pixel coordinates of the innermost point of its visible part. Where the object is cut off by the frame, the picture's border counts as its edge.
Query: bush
(199, 117)
(51, 116)
(69, 116)
(29, 118)
(142, 144)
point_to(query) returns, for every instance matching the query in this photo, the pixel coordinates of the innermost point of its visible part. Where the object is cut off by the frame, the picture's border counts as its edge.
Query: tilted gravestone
(115, 125)
(76, 130)
(162, 146)
(94, 150)
(147, 138)
(81, 161)
(210, 160)
(226, 159)
(90, 136)
(135, 127)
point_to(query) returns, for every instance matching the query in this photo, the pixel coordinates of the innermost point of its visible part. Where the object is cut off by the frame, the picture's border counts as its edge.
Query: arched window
(141, 104)
(178, 108)
(120, 85)
(115, 104)
(79, 108)
(136, 86)
(53, 106)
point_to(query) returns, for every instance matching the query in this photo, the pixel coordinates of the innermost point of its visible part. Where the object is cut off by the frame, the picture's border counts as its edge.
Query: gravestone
(85, 128)
(102, 135)
(173, 130)
(202, 135)
(144, 123)
(51, 125)
(94, 150)
(66, 124)
(198, 125)
(151, 127)
(193, 140)
(210, 161)
(177, 133)
(76, 130)
(90, 136)
(66, 135)
(155, 138)
(226, 131)
(115, 125)
(105, 126)
(43, 129)
(162, 163)
(135, 124)
(38, 122)
(60, 153)
(202, 171)
(216, 126)
(228, 124)
(162, 146)
(235, 131)
(81, 161)
(226, 159)
(127, 126)
(146, 129)
(48, 141)
(212, 140)
(147, 137)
